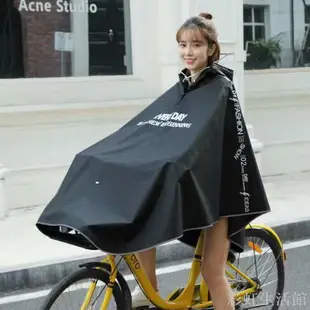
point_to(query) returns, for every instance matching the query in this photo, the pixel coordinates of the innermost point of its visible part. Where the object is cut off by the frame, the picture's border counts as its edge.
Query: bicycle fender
(272, 232)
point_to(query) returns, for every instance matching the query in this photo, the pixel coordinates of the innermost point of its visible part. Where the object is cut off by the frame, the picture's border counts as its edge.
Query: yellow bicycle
(249, 285)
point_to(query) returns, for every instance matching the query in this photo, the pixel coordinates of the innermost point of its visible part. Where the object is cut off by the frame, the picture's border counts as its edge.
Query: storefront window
(61, 38)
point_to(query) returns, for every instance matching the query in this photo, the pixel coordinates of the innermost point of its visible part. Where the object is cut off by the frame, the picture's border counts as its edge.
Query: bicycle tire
(83, 274)
(276, 249)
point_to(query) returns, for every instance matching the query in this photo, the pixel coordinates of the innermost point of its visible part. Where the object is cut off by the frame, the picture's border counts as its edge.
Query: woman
(198, 49)
(183, 164)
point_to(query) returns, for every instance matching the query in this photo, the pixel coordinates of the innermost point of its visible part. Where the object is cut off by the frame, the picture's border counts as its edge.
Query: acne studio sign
(61, 6)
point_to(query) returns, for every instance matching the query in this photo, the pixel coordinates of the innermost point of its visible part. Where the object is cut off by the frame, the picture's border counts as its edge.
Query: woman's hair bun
(206, 16)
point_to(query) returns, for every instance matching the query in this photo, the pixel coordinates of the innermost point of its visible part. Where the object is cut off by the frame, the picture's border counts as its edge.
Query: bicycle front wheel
(71, 292)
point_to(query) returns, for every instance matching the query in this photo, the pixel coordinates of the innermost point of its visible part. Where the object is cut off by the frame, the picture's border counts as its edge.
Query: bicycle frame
(182, 301)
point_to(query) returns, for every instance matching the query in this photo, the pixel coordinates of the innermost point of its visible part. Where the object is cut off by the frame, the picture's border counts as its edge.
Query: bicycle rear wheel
(62, 297)
(262, 261)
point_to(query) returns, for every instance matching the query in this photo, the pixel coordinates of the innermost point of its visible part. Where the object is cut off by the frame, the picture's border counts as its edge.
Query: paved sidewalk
(29, 259)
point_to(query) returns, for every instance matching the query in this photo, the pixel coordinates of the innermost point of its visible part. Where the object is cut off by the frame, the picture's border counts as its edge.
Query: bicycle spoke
(259, 259)
(266, 284)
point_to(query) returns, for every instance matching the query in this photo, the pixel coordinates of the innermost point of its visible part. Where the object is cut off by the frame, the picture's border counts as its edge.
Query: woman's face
(193, 49)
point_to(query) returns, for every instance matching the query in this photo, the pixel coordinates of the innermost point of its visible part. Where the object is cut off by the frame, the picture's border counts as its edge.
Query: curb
(48, 275)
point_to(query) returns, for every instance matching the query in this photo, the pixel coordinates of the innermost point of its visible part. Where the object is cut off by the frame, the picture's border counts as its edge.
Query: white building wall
(278, 107)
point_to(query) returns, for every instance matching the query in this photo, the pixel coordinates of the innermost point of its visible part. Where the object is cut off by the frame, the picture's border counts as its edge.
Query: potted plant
(263, 53)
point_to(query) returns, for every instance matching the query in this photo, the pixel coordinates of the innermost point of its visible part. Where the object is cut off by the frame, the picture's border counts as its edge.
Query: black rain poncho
(178, 166)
